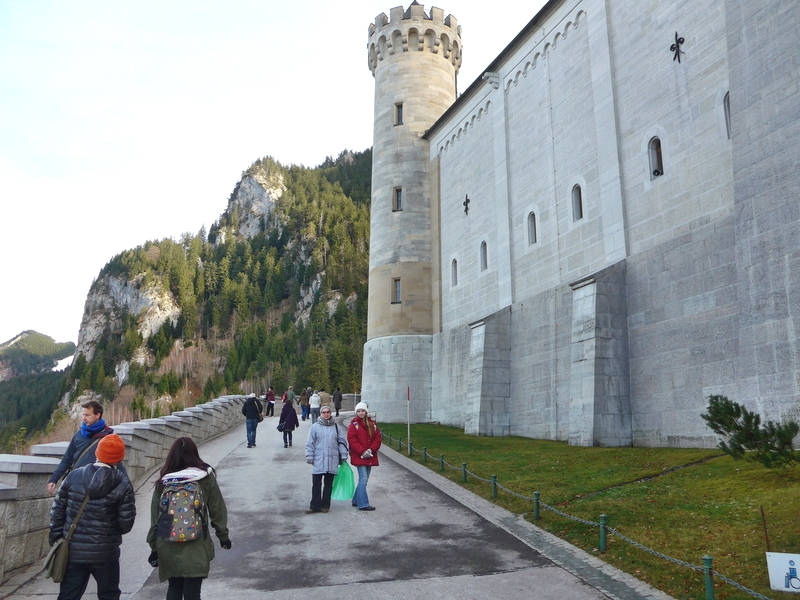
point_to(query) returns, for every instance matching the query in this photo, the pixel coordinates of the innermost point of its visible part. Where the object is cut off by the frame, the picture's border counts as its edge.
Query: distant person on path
(304, 404)
(364, 438)
(251, 408)
(270, 402)
(290, 423)
(81, 449)
(337, 400)
(326, 449)
(289, 394)
(314, 404)
(324, 398)
(109, 513)
(186, 564)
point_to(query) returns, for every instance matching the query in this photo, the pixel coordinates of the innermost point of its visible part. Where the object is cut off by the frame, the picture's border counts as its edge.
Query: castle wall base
(392, 365)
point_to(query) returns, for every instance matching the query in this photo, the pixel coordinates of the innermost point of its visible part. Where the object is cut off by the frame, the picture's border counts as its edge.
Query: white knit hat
(362, 405)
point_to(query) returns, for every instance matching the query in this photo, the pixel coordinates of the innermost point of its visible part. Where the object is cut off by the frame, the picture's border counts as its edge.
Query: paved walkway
(428, 538)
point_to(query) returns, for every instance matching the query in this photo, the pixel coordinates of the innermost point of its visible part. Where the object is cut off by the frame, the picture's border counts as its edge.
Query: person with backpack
(364, 438)
(289, 421)
(252, 409)
(99, 499)
(181, 546)
(326, 449)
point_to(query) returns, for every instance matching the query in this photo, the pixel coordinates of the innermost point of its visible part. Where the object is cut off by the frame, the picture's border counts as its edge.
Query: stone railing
(25, 503)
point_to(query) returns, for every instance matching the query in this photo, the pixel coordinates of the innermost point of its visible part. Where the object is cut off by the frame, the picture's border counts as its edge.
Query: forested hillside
(284, 306)
(31, 352)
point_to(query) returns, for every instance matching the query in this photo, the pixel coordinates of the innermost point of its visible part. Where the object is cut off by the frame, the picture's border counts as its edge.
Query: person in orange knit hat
(109, 513)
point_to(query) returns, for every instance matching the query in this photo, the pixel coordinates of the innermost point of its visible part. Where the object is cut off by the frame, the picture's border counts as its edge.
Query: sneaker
(311, 511)
(249, 446)
(367, 508)
(325, 510)
(354, 505)
(286, 445)
(290, 443)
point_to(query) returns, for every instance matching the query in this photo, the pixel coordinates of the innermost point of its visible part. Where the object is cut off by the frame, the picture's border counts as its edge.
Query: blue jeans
(251, 431)
(315, 414)
(360, 498)
(304, 408)
(287, 437)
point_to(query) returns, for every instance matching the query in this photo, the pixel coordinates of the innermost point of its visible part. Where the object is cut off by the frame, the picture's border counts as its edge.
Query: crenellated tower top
(414, 30)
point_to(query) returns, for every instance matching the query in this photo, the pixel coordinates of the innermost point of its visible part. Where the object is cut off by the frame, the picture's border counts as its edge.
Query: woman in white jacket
(314, 403)
(326, 449)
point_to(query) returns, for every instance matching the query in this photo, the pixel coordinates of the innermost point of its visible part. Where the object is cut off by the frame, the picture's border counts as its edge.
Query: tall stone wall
(765, 128)
(24, 501)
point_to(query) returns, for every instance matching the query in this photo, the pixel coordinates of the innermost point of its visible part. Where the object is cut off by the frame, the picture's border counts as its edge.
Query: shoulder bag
(55, 565)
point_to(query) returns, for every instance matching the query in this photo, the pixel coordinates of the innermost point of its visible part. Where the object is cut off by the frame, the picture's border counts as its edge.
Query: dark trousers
(270, 409)
(77, 578)
(321, 495)
(184, 588)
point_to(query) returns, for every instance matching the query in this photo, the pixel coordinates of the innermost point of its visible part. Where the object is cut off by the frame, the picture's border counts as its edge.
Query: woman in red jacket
(364, 439)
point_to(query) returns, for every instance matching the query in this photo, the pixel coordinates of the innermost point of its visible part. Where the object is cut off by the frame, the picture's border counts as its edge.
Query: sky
(123, 122)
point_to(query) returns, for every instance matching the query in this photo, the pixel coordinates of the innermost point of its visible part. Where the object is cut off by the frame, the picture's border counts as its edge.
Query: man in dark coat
(81, 449)
(109, 513)
(251, 408)
(337, 400)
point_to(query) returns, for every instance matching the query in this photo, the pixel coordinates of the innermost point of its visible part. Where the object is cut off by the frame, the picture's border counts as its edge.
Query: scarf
(89, 431)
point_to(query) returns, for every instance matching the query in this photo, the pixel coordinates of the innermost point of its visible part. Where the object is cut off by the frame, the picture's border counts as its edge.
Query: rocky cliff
(111, 297)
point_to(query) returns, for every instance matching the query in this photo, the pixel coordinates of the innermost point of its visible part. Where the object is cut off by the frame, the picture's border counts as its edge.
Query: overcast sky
(122, 122)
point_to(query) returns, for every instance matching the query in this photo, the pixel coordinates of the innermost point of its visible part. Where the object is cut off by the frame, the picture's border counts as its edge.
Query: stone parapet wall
(24, 501)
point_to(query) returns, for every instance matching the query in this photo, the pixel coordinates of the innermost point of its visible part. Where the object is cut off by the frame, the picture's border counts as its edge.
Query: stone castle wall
(613, 328)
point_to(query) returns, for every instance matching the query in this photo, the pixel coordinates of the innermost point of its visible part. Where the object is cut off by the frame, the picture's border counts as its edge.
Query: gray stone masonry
(24, 501)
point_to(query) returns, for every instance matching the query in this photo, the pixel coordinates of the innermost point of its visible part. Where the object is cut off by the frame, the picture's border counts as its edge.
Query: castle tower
(414, 58)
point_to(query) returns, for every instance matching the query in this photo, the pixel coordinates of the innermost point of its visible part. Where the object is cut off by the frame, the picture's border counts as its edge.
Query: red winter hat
(110, 450)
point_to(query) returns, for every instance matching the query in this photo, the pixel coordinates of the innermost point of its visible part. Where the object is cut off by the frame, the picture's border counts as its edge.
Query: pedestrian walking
(183, 556)
(304, 404)
(289, 421)
(326, 449)
(109, 510)
(314, 404)
(337, 400)
(81, 449)
(270, 402)
(252, 409)
(364, 438)
(289, 394)
(324, 398)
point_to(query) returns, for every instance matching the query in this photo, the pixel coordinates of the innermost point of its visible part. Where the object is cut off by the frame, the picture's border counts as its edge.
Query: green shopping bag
(343, 484)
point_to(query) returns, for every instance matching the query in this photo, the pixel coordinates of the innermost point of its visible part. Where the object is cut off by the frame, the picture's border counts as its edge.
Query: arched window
(656, 162)
(454, 272)
(726, 105)
(577, 203)
(531, 229)
(484, 257)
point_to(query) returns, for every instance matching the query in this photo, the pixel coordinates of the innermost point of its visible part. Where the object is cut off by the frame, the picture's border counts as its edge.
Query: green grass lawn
(709, 504)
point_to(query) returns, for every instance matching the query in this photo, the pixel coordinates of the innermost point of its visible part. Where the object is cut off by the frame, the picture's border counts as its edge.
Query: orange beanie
(110, 450)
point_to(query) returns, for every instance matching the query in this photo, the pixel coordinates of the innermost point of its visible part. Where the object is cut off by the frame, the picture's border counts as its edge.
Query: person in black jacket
(80, 451)
(251, 408)
(109, 513)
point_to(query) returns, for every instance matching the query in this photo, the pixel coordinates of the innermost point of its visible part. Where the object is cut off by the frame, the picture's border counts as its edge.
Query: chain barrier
(610, 530)
(739, 586)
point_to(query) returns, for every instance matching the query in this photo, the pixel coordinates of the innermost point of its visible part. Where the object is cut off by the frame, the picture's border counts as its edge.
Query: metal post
(603, 522)
(410, 448)
(707, 566)
(391, 439)
(441, 462)
(535, 506)
(399, 444)
(494, 486)
(463, 472)
(424, 454)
